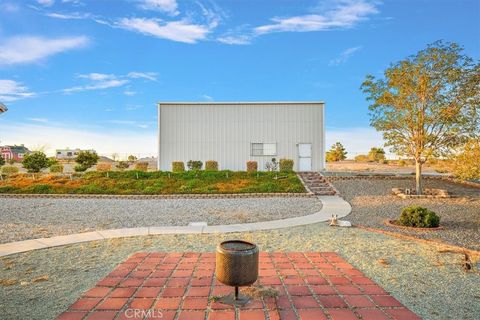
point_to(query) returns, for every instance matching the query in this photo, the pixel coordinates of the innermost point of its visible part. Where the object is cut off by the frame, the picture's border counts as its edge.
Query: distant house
(13, 152)
(69, 154)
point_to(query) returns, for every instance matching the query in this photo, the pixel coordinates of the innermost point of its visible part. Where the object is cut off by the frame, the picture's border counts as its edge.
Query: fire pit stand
(236, 266)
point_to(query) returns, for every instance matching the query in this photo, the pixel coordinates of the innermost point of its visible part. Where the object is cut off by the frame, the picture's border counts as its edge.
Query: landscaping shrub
(52, 161)
(80, 168)
(361, 158)
(87, 159)
(2, 161)
(40, 188)
(35, 162)
(336, 153)
(194, 165)
(104, 166)
(252, 166)
(376, 154)
(211, 165)
(466, 165)
(9, 170)
(419, 217)
(402, 163)
(286, 165)
(178, 166)
(122, 165)
(383, 161)
(56, 168)
(141, 166)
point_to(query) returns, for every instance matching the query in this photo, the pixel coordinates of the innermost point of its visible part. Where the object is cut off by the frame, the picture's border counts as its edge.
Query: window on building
(264, 149)
(69, 154)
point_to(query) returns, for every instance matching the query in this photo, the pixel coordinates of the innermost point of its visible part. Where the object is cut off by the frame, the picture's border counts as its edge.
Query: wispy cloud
(152, 76)
(129, 93)
(69, 16)
(167, 6)
(129, 123)
(28, 49)
(206, 97)
(43, 120)
(341, 14)
(181, 31)
(99, 81)
(11, 90)
(344, 56)
(46, 3)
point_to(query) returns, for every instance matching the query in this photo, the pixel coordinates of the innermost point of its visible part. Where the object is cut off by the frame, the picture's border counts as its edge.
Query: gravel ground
(34, 218)
(427, 279)
(372, 203)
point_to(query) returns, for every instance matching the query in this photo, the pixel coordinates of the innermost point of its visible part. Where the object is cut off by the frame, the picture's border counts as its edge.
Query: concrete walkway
(330, 205)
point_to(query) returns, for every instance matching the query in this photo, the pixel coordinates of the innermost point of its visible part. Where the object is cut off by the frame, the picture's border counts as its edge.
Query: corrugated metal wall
(224, 132)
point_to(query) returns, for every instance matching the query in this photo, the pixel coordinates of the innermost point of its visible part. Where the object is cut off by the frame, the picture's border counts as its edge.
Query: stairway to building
(317, 183)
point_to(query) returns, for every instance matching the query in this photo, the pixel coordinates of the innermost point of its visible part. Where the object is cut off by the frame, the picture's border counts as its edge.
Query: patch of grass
(157, 182)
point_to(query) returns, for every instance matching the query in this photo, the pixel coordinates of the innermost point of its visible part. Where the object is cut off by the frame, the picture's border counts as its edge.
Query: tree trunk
(418, 177)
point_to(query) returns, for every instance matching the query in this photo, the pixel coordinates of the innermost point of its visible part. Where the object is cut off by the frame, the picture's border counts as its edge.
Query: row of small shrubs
(285, 165)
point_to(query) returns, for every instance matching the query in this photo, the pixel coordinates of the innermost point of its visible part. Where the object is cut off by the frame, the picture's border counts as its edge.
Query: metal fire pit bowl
(236, 266)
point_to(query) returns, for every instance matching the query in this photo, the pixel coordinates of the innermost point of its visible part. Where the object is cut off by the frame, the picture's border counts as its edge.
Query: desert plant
(52, 161)
(401, 163)
(419, 217)
(376, 154)
(35, 161)
(467, 164)
(122, 165)
(87, 159)
(383, 161)
(194, 165)
(80, 168)
(104, 166)
(131, 158)
(361, 158)
(8, 170)
(336, 153)
(252, 166)
(56, 168)
(286, 165)
(141, 166)
(2, 161)
(178, 166)
(211, 165)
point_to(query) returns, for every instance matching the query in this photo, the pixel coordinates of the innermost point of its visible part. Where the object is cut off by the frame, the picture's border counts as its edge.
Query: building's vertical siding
(224, 132)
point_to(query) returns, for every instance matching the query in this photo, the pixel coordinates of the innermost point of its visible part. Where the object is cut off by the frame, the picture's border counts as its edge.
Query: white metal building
(233, 133)
(69, 154)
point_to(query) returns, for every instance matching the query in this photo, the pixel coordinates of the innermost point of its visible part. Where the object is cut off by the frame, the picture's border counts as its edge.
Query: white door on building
(304, 157)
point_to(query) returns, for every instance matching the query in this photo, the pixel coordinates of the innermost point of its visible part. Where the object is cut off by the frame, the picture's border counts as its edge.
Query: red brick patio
(181, 286)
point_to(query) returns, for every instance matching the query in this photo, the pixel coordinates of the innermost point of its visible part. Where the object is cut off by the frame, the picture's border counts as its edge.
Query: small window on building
(264, 149)
(69, 154)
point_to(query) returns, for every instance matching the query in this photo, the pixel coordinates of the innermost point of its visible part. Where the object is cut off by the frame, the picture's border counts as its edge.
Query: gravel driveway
(372, 203)
(34, 218)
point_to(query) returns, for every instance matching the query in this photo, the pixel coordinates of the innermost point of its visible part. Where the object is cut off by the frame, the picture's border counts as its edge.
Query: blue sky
(84, 73)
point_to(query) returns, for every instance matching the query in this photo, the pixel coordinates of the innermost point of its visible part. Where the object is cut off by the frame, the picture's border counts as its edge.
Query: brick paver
(316, 285)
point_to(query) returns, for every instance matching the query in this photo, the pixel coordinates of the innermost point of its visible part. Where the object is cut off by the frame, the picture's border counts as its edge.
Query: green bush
(419, 217)
(211, 165)
(194, 165)
(9, 170)
(286, 165)
(376, 154)
(141, 166)
(87, 159)
(56, 168)
(7, 189)
(178, 166)
(252, 166)
(336, 153)
(122, 165)
(39, 189)
(35, 161)
(2, 161)
(80, 168)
